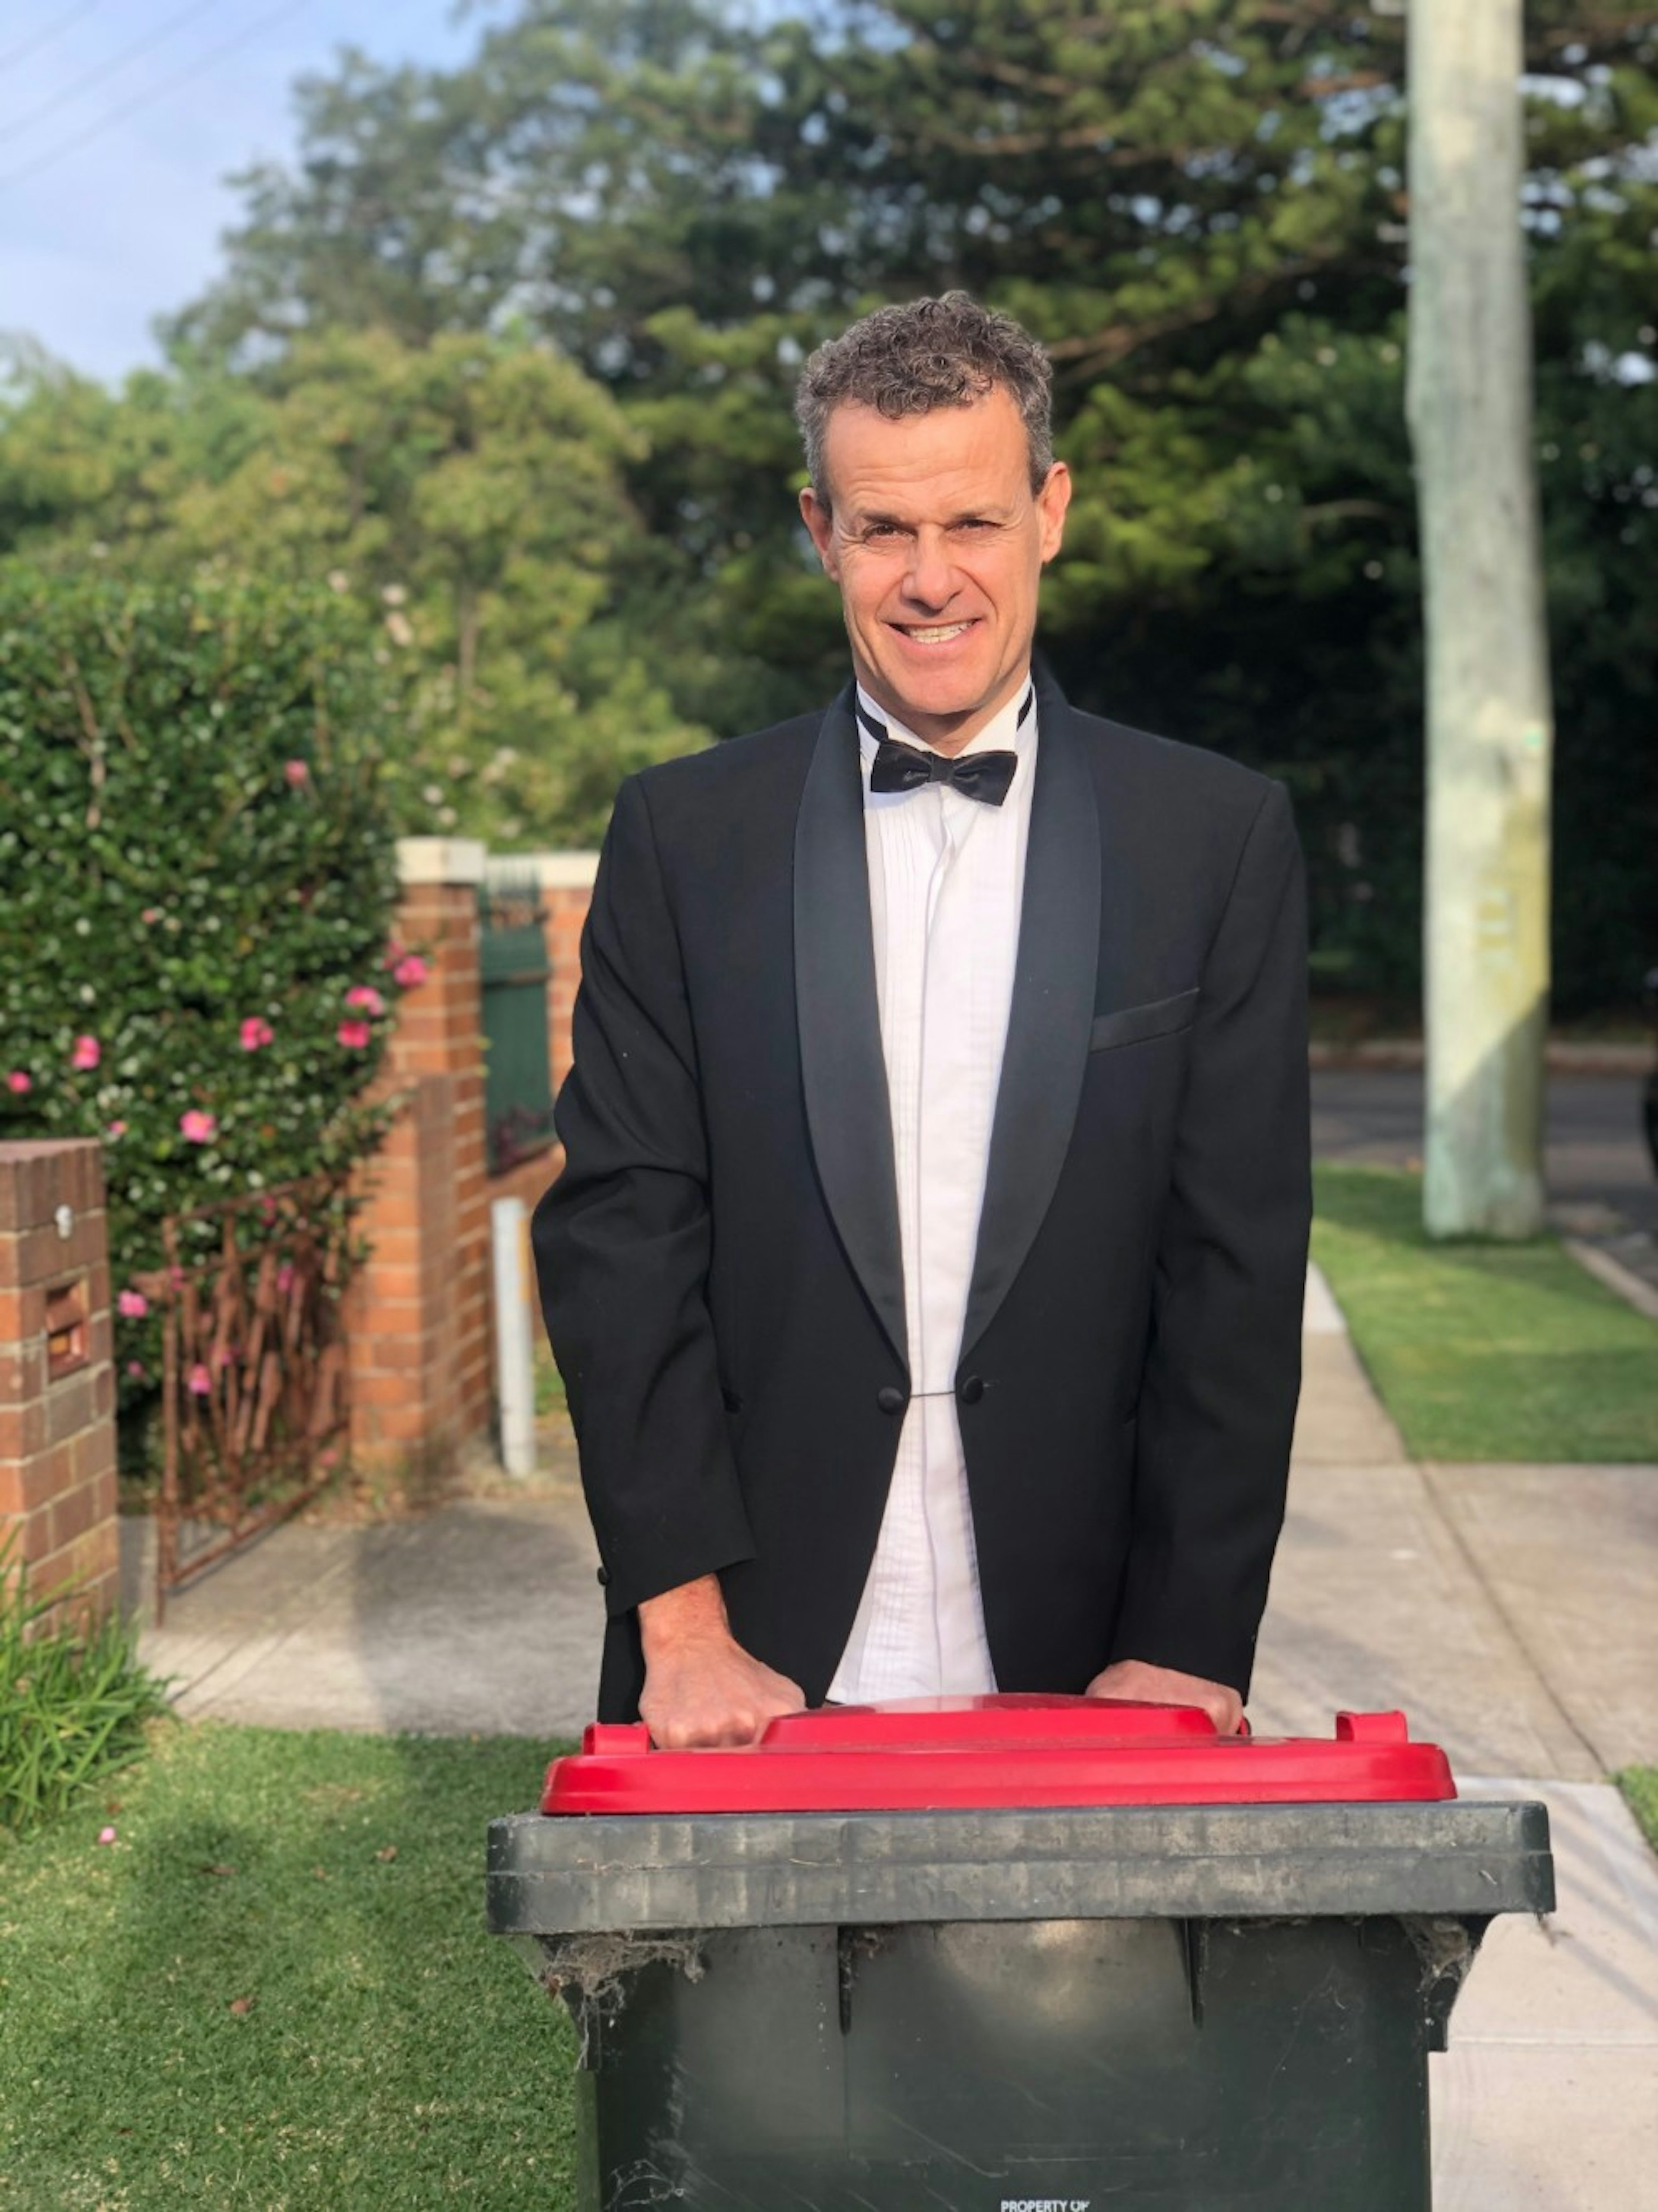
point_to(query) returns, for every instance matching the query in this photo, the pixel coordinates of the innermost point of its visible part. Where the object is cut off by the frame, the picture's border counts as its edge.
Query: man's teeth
(940, 634)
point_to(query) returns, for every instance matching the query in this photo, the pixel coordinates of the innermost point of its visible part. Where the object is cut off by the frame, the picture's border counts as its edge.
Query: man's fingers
(694, 1720)
(1134, 1679)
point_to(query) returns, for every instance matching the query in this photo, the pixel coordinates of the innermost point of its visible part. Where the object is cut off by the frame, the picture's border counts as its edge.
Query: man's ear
(1051, 502)
(815, 513)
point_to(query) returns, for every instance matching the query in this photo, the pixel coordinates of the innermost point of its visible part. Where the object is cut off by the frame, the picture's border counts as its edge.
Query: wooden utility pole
(1469, 402)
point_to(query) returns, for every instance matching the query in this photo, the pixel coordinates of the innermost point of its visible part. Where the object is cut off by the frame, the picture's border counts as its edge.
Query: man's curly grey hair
(946, 352)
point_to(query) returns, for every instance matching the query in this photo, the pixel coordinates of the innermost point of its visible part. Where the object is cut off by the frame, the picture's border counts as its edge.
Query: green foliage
(274, 1988)
(1200, 206)
(464, 496)
(74, 1703)
(196, 871)
(1483, 1351)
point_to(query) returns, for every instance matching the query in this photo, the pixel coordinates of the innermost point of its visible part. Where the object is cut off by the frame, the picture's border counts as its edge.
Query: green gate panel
(514, 972)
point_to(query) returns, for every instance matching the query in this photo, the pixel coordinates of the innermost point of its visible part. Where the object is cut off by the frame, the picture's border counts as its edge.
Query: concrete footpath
(1510, 1611)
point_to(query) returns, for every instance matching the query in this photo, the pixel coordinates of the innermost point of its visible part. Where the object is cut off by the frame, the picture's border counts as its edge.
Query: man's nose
(930, 577)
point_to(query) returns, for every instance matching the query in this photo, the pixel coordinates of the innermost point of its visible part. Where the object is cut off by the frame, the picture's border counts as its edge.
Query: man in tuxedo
(926, 1268)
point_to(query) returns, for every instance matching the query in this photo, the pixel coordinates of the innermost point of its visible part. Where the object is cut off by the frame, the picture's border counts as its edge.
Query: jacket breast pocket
(1134, 1024)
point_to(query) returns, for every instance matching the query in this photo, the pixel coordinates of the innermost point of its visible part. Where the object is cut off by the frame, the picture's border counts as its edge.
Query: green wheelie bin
(1010, 1954)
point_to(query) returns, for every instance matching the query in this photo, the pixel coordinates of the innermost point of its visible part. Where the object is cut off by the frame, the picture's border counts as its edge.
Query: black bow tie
(898, 767)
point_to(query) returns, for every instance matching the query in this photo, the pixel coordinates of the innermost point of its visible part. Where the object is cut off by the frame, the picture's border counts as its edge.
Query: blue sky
(112, 197)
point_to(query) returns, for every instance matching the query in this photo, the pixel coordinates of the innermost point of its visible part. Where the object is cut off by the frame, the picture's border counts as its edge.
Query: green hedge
(197, 884)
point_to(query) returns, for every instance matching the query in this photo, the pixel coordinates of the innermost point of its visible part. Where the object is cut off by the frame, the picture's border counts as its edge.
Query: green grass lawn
(1483, 1351)
(1640, 1785)
(274, 1988)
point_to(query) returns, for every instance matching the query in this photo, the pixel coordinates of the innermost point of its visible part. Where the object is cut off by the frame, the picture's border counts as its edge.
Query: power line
(44, 38)
(154, 92)
(96, 76)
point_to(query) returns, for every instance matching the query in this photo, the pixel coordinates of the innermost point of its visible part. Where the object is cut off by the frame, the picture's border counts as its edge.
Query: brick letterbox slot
(66, 1328)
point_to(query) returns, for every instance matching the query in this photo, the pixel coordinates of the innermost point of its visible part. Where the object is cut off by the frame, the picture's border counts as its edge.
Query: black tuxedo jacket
(720, 1263)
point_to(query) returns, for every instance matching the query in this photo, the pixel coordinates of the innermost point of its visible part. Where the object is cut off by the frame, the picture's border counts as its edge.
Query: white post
(1490, 725)
(515, 1372)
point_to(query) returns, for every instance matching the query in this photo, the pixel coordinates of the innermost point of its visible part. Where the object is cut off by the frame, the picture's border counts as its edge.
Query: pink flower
(106, 1835)
(222, 1356)
(366, 996)
(19, 1082)
(199, 1383)
(176, 1277)
(136, 1369)
(410, 971)
(198, 1127)
(393, 953)
(133, 1305)
(85, 1056)
(151, 914)
(297, 773)
(116, 1129)
(355, 1033)
(285, 1278)
(255, 1032)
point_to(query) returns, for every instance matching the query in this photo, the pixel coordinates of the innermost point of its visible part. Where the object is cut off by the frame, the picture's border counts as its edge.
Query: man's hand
(1165, 1686)
(700, 1687)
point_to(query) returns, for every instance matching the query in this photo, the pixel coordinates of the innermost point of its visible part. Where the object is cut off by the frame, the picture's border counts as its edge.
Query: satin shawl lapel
(841, 1061)
(1052, 1012)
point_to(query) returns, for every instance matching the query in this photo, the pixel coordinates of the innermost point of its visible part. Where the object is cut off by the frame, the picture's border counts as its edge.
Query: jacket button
(604, 1577)
(973, 1388)
(890, 1399)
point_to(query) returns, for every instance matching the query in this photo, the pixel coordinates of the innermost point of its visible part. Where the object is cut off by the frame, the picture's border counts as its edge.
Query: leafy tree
(464, 496)
(1199, 205)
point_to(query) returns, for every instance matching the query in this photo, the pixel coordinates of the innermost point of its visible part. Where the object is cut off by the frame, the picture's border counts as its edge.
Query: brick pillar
(567, 890)
(57, 1369)
(418, 1317)
(419, 1320)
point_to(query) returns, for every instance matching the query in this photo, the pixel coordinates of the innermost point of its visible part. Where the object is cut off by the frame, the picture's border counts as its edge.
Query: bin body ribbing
(1136, 2008)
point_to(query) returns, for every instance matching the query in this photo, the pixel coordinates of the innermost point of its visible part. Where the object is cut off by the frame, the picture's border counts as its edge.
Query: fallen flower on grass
(241, 2007)
(388, 1854)
(106, 1836)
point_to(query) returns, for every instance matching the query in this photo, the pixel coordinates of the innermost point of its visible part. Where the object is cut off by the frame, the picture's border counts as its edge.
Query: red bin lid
(950, 1753)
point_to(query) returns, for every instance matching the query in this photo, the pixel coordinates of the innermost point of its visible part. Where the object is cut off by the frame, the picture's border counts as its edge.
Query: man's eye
(881, 530)
(975, 522)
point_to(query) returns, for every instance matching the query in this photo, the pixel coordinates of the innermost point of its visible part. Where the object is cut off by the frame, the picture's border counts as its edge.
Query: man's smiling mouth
(933, 633)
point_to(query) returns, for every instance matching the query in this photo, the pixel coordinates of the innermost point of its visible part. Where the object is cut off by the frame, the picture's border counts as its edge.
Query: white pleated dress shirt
(946, 876)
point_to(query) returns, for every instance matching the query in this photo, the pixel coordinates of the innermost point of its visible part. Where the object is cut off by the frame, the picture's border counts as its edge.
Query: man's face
(938, 543)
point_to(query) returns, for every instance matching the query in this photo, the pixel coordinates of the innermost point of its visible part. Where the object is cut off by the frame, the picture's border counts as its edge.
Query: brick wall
(57, 1369)
(420, 1328)
(566, 890)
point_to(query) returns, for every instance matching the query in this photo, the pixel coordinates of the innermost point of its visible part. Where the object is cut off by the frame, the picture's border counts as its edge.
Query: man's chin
(946, 695)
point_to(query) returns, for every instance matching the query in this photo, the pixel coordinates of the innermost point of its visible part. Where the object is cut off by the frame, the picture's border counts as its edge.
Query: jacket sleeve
(623, 1243)
(1223, 1370)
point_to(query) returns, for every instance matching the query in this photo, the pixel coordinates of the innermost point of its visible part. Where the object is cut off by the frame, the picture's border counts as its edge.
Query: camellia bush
(197, 888)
